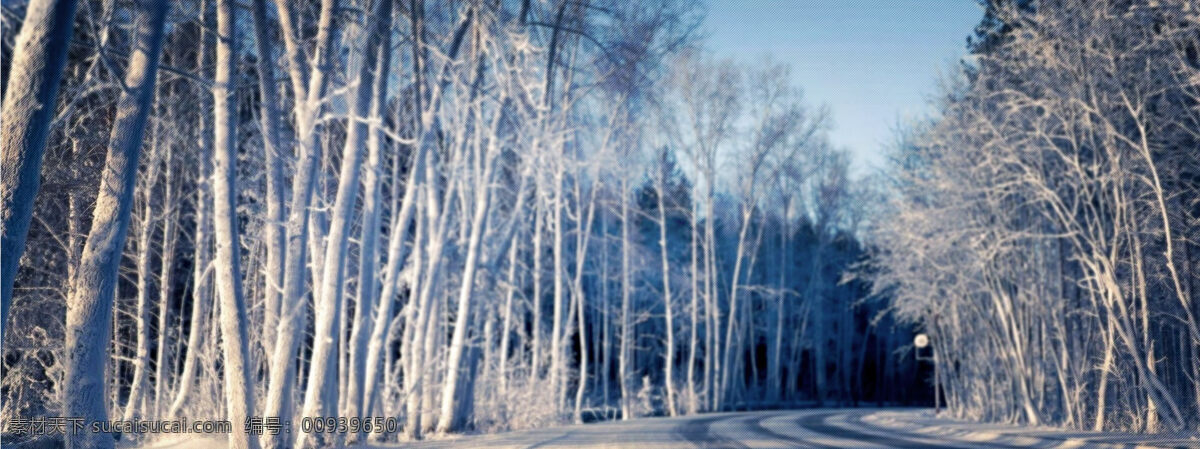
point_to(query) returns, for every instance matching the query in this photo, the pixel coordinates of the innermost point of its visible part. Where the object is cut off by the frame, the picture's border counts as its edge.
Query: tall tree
(239, 393)
(369, 240)
(30, 95)
(308, 90)
(328, 308)
(89, 309)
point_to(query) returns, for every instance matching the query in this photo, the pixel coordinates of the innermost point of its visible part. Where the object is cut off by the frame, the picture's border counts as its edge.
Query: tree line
(1043, 227)
(465, 215)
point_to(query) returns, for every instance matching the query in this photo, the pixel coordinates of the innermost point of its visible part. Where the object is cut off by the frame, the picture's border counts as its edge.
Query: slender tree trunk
(413, 329)
(396, 259)
(90, 307)
(166, 283)
(775, 364)
(669, 359)
(606, 327)
(30, 95)
(424, 336)
(141, 361)
(202, 251)
(581, 309)
(506, 328)
(1102, 388)
(274, 161)
(732, 319)
(447, 420)
(583, 235)
(292, 310)
(328, 310)
(556, 332)
(623, 362)
(372, 213)
(536, 304)
(239, 393)
(693, 395)
(713, 353)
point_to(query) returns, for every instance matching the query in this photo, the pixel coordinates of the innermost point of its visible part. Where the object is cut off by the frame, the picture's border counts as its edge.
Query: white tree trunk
(583, 235)
(328, 309)
(414, 328)
(89, 310)
(556, 356)
(506, 327)
(166, 279)
(536, 304)
(396, 260)
(274, 161)
(141, 362)
(292, 310)
(39, 57)
(669, 358)
(693, 395)
(202, 254)
(437, 215)
(447, 420)
(623, 371)
(239, 393)
(733, 320)
(369, 261)
(712, 354)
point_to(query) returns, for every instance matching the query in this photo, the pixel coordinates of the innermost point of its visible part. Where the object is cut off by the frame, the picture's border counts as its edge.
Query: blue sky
(875, 63)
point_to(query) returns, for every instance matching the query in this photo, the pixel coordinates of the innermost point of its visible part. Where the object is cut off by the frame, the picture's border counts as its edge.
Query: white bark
(369, 261)
(141, 362)
(623, 355)
(396, 259)
(328, 309)
(292, 315)
(39, 57)
(166, 279)
(536, 303)
(694, 323)
(202, 253)
(506, 328)
(583, 235)
(424, 337)
(274, 161)
(239, 393)
(447, 420)
(90, 306)
(557, 366)
(669, 357)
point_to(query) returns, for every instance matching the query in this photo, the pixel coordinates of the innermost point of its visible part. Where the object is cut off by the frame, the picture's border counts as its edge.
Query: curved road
(812, 428)
(816, 428)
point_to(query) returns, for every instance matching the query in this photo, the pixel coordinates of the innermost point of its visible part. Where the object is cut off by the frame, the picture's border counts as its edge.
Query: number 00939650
(330, 424)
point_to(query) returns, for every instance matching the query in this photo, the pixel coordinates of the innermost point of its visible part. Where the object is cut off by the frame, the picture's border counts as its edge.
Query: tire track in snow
(817, 423)
(699, 433)
(757, 426)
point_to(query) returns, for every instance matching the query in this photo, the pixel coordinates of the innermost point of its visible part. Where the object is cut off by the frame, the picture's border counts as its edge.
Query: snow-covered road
(818, 428)
(813, 428)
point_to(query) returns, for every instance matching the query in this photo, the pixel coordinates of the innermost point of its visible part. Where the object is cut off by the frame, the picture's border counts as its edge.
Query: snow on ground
(182, 441)
(817, 428)
(923, 422)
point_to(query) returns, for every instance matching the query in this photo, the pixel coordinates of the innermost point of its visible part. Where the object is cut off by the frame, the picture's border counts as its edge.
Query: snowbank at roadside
(923, 422)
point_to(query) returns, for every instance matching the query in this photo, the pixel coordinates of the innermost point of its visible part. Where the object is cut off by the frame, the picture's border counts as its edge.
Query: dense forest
(1044, 229)
(468, 216)
(477, 216)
